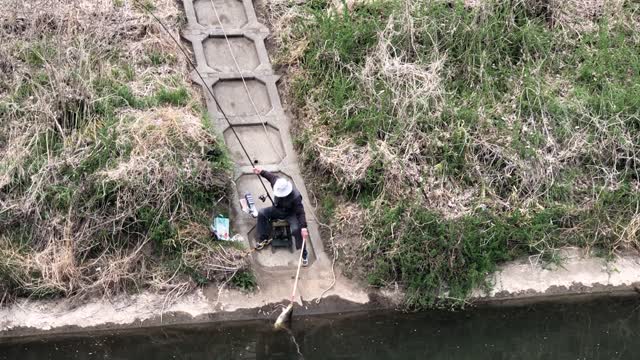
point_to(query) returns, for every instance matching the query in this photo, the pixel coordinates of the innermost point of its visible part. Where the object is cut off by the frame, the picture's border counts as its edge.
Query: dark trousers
(266, 215)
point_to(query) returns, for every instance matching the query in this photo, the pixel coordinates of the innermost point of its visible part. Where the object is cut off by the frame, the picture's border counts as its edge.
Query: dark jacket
(291, 203)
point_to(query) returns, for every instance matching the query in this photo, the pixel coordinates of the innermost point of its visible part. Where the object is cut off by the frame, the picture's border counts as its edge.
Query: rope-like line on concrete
(244, 83)
(204, 84)
(266, 134)
(187, 57)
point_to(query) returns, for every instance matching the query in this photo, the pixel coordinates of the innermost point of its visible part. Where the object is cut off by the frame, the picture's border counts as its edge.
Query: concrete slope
(229, 49)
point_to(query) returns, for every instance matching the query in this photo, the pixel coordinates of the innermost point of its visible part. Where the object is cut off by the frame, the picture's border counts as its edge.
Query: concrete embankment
(230, 52)
(515, 283)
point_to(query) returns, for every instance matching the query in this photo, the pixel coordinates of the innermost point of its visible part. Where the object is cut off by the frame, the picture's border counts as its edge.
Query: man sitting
(287, 205)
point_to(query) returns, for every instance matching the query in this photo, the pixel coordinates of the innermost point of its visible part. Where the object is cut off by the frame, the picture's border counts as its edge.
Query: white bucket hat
(282, 188)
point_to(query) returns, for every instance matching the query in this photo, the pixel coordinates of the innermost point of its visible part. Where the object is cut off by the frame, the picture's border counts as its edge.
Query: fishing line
(210, 91)
(204, 84)
(266, 134)
(244, 82)
(293, 339)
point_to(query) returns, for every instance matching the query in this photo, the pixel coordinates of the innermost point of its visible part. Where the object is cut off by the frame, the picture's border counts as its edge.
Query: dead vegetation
(349, 222)
(443, 122)
(577, 15)
(107, 172)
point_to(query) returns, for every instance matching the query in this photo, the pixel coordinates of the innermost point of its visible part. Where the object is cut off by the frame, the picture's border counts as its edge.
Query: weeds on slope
(107, 172)
(468, 134)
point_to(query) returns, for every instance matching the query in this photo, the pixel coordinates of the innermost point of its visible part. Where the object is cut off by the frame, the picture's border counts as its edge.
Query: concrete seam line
(209, 90)
(244, 82)
(266, 133)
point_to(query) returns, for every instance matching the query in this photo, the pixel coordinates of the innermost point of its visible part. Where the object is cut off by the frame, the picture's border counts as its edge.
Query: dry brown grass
(97, 193)
(583, 15)
(514, 152)
(349, 220)
(346, 161)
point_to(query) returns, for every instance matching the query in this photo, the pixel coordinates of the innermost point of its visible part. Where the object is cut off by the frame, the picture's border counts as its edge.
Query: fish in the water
(284, 316)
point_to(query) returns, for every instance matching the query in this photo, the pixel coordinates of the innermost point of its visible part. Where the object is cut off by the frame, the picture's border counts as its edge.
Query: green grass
(39, 53)
(436, 256)
(71, 110)
(177, 97)
(515, 93)
(158, 58)
(145, 4)
(337, 43)
(245, 280)
(116, 94)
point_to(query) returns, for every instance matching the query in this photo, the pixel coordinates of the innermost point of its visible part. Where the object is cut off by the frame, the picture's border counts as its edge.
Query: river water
(594, 330)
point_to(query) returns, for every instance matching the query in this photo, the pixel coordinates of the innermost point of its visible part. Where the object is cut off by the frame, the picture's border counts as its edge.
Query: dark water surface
(594, 330)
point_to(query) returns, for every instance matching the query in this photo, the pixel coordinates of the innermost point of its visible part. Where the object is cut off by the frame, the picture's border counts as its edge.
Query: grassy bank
(455, 136)
(109, 172)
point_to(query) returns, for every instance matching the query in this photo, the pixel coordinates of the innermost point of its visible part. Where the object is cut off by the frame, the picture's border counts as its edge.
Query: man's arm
(267, 175)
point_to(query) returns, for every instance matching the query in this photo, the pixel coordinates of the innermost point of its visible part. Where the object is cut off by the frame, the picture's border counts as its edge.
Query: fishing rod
(204, 84)
(287, 311)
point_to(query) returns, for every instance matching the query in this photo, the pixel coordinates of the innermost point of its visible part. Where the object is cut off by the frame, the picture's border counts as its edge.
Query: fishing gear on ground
(248, 205)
